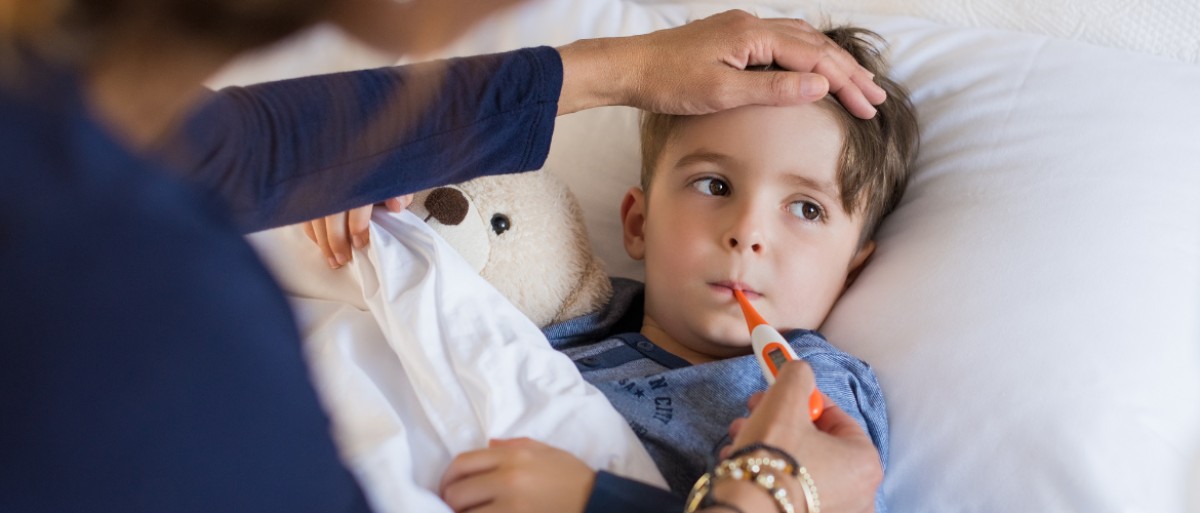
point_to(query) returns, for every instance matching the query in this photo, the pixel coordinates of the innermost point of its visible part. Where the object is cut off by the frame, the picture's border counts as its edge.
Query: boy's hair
(876, 156)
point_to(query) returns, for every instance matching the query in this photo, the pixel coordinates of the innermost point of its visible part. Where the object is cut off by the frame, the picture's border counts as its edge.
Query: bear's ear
(452, 212)
(591, 292)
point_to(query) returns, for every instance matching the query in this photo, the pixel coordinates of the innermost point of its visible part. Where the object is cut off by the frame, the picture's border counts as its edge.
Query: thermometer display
(772, 351)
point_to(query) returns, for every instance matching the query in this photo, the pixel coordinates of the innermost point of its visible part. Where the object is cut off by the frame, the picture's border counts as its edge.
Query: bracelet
(777, 452)
(698, 494)
(811, 499)
(738, 467)
(760, 471)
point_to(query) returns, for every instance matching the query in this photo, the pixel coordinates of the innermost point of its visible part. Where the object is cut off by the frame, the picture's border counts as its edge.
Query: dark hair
(877, 155)
(73, 28)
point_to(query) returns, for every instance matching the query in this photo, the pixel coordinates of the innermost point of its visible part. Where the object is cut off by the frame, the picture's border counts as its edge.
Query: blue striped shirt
(682, 412)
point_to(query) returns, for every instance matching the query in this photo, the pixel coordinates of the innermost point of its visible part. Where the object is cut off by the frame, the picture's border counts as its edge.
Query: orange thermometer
(772, 350)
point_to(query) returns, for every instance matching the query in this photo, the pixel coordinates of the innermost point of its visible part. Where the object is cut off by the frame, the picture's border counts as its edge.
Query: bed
(1033, 307)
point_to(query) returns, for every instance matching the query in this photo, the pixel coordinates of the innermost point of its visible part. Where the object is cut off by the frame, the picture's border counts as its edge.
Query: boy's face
(746, 198)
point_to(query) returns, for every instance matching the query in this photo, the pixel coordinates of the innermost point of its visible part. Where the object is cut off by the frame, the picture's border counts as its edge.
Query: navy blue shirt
(148, 360)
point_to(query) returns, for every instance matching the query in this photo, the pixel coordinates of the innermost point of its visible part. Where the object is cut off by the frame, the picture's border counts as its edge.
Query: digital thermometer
(772, 351)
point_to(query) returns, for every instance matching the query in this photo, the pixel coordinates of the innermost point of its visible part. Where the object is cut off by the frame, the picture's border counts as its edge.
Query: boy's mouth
(728, 286)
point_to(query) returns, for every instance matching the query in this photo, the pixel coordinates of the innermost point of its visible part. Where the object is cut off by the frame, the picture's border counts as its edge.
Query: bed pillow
(1031, 309)
(1162, 27)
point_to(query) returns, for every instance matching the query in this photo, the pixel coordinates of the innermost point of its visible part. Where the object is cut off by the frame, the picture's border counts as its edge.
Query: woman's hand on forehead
(701, 67)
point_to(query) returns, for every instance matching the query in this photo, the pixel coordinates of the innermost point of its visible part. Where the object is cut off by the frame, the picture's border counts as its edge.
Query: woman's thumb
(783, 87)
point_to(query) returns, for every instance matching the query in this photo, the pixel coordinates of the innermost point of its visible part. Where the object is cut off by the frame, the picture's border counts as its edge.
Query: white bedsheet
(418, 359)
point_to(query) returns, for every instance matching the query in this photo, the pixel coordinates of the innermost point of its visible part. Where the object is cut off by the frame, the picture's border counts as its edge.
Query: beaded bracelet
(777, 452)
(811, 499)
(759, 471)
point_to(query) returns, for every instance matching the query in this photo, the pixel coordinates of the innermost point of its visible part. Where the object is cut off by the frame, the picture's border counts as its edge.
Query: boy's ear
(633, 222)
(859, 261)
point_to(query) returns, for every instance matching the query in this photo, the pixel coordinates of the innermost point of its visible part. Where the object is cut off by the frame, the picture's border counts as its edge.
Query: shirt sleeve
(852, 384)
(615, 493)
(287, 151)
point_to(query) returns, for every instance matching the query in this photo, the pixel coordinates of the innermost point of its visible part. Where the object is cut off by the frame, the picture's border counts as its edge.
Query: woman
(150, 363)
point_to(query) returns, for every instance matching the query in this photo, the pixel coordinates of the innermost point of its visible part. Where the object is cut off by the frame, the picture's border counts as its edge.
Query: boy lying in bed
(780, 202)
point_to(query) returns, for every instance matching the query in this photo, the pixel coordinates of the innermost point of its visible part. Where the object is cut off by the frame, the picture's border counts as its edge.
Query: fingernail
(341, 259)
(358, 242)
(813, 86)
(333, 264)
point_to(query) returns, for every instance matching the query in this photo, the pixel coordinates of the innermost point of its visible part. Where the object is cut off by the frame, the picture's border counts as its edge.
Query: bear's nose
(447, 205)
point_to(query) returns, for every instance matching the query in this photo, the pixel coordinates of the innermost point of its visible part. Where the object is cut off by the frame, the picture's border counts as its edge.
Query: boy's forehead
(753, 122)
(807, 133)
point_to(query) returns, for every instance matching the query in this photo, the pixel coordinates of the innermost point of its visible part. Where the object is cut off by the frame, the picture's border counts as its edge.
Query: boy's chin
(730, 346)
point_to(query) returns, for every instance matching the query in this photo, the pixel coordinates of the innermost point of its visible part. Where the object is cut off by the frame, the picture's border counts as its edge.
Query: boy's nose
(745, 243)
(745, 236)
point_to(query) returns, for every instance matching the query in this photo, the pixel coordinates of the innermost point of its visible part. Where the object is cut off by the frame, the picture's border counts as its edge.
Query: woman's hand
(700, 68)
(837, 453)
(517, 476)
(335, 234)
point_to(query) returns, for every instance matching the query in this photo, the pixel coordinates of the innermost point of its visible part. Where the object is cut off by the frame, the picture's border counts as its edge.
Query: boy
(779, 202)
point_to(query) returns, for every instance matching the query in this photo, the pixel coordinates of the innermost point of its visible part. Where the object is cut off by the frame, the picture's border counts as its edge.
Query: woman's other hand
(836, 451)
(336, 234)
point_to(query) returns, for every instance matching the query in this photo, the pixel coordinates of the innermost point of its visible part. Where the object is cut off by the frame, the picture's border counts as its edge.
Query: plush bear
(525, 235)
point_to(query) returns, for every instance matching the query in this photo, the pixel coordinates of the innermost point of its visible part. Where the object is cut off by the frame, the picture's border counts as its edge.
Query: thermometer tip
(752, 318)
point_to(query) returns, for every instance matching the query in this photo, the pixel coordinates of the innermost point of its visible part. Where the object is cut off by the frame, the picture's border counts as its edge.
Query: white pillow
(1032, 306)
(1169, 28)
(1031, 309)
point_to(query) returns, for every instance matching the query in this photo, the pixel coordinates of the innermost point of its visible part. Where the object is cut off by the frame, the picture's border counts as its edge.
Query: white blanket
(418, 359)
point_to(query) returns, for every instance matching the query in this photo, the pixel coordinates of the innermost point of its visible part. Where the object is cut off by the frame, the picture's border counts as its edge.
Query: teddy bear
(525, 235)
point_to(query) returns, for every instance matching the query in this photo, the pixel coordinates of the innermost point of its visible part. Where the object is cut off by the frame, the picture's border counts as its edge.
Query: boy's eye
(807, 210)
(711, 187)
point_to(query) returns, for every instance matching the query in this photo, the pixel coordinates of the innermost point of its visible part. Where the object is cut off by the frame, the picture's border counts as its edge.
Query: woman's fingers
(337, 234)
(755, 398)
(308, 231)
(700, 68)
(358, 224)
(838, 423)
(338, 237)
(321, 236)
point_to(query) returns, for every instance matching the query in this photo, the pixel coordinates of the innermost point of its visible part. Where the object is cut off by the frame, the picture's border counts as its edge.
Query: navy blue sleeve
(288, 151)
(148, 362)
(613, 493)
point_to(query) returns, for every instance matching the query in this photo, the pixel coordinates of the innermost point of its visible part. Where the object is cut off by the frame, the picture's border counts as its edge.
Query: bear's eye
(500, 223)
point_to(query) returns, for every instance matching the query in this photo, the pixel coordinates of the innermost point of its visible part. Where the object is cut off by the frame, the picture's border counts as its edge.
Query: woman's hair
(877, 155)
(75, 28)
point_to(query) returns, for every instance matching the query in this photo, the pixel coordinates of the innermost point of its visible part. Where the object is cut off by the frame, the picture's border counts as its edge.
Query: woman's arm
(287, 151)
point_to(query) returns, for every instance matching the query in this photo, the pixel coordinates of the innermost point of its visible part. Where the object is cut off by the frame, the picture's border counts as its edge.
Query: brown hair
(877, 155)
(74, 28)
